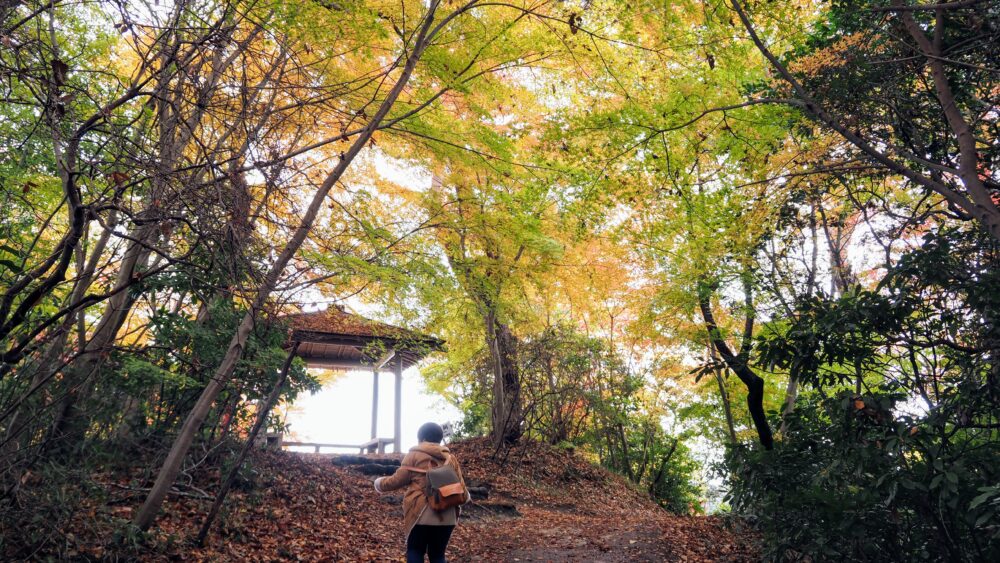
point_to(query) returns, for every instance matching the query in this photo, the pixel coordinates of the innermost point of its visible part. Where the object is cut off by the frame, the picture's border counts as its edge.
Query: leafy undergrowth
(544, 505)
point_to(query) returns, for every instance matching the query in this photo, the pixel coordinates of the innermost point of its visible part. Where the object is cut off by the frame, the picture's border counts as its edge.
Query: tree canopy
(743, 245)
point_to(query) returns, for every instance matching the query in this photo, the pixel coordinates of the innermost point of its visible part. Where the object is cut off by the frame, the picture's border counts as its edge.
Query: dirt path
(545, 534)
(553, 535)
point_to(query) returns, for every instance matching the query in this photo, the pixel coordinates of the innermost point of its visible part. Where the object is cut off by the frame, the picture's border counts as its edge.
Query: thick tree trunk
(507, 412)
(172, 465)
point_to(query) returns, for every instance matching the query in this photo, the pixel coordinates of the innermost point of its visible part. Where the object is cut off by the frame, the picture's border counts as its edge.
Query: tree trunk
(791, 393)
(981, 205)
(265, 409)
(507, 411)
(841, 276)
(70, 424)
(626, 461)
(49, 363)
(753, 382)
(985, 207)
(662, 470)
(724, 395)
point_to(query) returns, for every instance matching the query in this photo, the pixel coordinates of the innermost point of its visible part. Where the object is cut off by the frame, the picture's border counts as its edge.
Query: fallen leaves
(544, 505)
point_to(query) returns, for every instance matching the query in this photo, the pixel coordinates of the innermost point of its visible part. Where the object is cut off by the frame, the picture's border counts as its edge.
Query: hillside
(545, 505)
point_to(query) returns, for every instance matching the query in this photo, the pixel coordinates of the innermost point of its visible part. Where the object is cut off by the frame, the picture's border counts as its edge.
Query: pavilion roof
(337, 339)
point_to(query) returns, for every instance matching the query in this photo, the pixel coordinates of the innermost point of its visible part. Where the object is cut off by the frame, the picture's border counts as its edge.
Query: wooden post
(374, 402)
(397, 426)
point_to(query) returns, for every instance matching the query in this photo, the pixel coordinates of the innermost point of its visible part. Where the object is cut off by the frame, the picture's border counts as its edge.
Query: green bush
(891, 451)
(853, 481)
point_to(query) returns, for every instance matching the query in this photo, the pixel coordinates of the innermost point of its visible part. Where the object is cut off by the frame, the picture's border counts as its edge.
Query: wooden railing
(372, 446)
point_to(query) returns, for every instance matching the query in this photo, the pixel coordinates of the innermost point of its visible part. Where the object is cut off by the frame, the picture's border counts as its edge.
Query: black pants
(429, 540)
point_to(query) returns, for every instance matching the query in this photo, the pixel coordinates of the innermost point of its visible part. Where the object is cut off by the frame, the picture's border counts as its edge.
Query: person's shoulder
(413, 456)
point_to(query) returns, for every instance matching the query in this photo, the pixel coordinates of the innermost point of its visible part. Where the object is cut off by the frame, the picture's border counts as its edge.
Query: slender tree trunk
(981, 205)
(724, 395)
(841, 276)
(178, 122)
(174, 135)
(172, 465)
(791, 393)
(753, 382)
(626, 461)
(49, 363)
(985, 208)
(71, 421)
(265, 409)
(663, 467)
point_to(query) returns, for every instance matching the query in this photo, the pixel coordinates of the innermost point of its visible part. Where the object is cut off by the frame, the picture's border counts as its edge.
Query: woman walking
(427, 530)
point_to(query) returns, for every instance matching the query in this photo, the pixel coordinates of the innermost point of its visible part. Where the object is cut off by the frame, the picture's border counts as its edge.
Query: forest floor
(543, 505)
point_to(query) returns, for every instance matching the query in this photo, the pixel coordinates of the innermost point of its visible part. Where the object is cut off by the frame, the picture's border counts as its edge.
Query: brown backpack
(444, 489)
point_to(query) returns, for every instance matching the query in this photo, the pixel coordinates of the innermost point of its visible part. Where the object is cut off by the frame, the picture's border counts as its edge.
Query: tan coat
(424, 455)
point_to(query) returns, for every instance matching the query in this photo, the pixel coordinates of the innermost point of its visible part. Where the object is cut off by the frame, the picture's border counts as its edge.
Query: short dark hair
(430, 432)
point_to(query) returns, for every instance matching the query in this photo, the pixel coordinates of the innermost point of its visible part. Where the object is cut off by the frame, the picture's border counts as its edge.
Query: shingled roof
(336, 339)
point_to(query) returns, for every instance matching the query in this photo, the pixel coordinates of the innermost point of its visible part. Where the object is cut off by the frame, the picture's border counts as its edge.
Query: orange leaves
(834, 56)
(117, 179)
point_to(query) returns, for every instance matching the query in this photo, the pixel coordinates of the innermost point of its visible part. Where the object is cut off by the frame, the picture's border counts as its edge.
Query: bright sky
(341, 412)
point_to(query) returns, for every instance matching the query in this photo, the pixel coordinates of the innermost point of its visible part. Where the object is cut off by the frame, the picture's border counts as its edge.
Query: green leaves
(139, 375)
(829, 339)
(11, 258)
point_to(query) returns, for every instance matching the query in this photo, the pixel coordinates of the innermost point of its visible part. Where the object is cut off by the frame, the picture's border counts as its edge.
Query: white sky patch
(341, 412)
(501, 119)
(410, 175)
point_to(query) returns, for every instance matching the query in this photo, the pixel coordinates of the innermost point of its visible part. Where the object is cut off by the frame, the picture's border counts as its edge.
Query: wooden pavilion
(336, 339)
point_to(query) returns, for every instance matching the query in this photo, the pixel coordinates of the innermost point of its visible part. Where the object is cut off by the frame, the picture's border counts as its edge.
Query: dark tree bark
(738, 364)
(507, 412)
